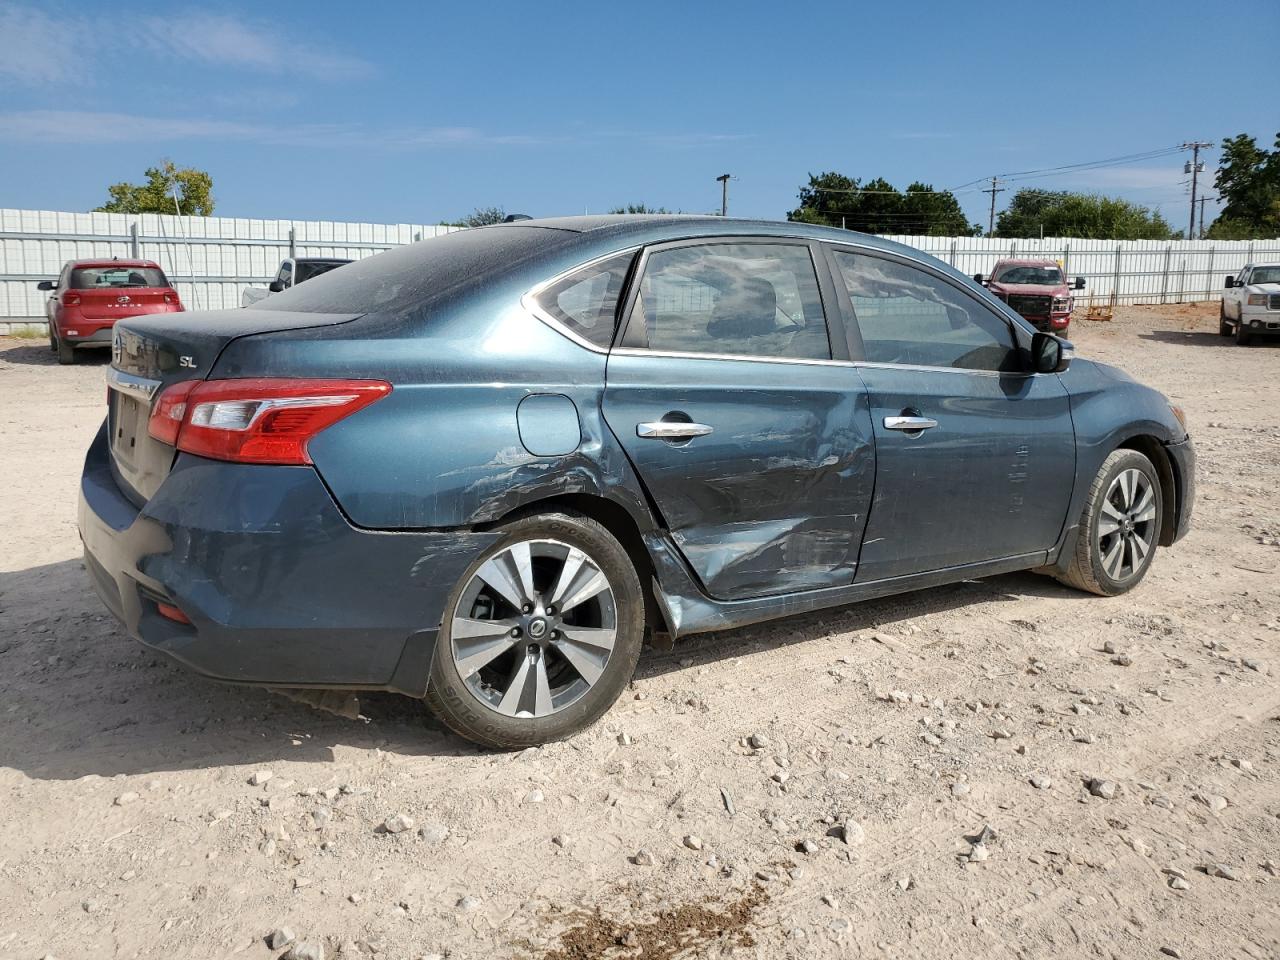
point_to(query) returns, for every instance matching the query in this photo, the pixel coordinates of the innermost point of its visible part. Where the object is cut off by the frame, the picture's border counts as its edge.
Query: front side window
(586, 301)
(739, 299)
(909, 316)
(1040, 276)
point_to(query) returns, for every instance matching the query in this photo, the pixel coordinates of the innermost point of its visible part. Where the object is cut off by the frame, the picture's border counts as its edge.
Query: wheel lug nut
(515, 631)
(551, 611)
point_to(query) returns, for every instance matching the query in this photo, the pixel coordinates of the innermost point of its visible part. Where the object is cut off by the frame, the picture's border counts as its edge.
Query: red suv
(1036, 289)
(89, 296)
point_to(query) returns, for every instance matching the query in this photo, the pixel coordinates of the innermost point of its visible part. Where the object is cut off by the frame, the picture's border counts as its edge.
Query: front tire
(1224, 327)
(1242, 333)
(1119, 527)
(540, 636)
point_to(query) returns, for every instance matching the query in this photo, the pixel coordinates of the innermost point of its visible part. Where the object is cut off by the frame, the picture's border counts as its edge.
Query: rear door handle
(671, 430)
(909, 424)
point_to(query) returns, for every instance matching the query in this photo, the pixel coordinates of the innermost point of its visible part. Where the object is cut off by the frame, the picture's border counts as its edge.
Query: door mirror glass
(977, 278)
(1079, 283)
(1049, 354)
(1231, 282)
(45, 285)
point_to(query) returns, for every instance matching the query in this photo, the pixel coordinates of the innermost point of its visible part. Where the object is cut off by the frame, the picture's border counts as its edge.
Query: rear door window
(734, 299)
(909, 316)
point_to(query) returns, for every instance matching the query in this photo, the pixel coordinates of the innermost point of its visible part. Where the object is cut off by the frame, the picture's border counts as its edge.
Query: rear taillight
(256, 421)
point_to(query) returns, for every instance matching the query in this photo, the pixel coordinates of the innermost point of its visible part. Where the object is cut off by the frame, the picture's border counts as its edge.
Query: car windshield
(308, 269)
(1044, 276)
(107, 277)
(1265, 275)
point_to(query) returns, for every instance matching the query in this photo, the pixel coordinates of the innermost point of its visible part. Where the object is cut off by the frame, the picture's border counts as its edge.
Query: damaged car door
(752, 440)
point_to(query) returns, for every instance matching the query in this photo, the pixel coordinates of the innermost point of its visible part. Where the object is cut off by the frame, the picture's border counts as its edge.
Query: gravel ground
(1000, 768)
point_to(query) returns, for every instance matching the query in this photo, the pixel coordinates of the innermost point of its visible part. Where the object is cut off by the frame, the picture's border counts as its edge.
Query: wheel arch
(621, 521)
(1170, 492)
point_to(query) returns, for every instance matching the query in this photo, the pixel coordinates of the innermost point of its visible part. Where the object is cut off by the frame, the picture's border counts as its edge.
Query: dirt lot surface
(888, 737)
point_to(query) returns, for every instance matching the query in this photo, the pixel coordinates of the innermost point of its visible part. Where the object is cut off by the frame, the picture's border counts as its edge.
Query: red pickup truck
(1036, 289)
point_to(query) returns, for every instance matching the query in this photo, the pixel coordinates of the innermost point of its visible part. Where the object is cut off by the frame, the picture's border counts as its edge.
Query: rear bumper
(279, 587)
(98, 338)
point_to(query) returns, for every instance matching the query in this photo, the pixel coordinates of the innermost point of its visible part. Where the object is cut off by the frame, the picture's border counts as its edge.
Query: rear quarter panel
(445, 449)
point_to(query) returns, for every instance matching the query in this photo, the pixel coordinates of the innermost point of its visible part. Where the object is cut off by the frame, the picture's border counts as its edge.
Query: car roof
(1024, 262)
(109, 262)
(625, 229)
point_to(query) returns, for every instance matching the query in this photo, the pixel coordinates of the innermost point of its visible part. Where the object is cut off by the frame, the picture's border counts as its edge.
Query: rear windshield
(1044, 276)
(306, 269)
(403, 278)
(105, 278)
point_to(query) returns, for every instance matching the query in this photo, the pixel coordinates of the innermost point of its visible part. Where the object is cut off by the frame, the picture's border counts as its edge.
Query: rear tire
(66, 352)
(1119, 526)
(542, 672)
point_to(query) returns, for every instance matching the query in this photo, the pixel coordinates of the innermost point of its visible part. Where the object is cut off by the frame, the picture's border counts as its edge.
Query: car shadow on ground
(36, 352)
(83, 698)
(1204, 338)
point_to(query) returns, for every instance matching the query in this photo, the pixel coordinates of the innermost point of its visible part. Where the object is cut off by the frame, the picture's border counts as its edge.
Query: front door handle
(909, 424)
(671, 430)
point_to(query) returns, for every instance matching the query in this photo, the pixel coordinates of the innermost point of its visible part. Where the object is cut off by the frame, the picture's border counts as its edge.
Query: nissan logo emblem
(122, 299)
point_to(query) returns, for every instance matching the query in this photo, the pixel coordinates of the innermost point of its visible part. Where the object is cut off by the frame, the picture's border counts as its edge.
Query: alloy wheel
(534, 628)
(1126, 525)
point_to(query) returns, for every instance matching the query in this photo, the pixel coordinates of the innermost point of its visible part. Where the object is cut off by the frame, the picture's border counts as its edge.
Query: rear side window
(740, 299)
(103, 278)
(586, 301)
(908, 316)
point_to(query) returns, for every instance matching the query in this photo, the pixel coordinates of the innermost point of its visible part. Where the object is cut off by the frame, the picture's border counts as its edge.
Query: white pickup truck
(1251, 303)
(293, 271)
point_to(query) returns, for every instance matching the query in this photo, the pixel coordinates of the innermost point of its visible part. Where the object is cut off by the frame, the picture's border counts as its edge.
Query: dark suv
(483, 468)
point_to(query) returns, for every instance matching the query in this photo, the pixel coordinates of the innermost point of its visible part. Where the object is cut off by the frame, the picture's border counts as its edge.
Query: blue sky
(416, 112)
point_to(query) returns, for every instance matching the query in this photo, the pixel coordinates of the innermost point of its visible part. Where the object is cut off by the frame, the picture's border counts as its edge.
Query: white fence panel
(212, 259)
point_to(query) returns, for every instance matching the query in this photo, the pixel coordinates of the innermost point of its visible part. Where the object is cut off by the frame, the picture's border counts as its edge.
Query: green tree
(194, 190)
(1249, 181)
(1034, 213)
(877, 206)
(640, 208)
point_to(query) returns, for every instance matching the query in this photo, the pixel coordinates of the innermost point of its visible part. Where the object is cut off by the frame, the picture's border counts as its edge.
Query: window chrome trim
(128, 383)
(924, 368)
(529, 300)
(689, 355)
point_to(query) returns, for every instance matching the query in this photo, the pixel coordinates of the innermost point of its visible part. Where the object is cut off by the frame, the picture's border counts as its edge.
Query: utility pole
(724, 194)
(993, 190)
(1194, 167)
(1201, 201)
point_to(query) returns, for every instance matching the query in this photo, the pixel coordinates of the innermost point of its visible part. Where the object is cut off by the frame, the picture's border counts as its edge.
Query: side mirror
(1231, 282)
(1050, 354)
(45, 285)
(275, 286)
(1079, 283)
(957, 318)
(977, 278)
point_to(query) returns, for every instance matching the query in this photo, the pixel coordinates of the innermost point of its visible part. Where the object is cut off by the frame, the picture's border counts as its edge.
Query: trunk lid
(153, 352)
(118, 303)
